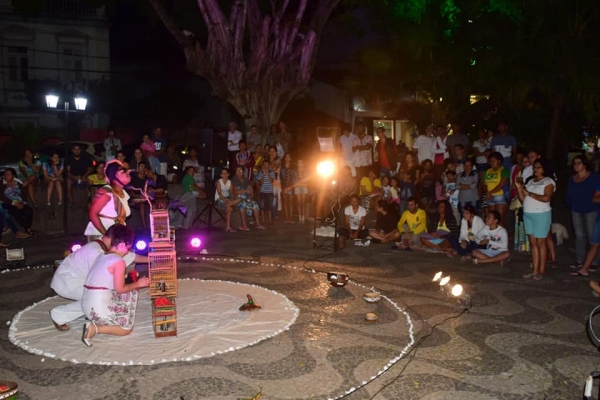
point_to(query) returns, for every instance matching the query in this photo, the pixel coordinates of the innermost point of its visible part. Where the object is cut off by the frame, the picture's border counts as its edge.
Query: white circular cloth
(208, 322)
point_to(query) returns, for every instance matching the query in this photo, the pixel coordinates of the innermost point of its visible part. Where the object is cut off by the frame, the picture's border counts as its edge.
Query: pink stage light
(141, 245)
(196, 243)
(75, 247)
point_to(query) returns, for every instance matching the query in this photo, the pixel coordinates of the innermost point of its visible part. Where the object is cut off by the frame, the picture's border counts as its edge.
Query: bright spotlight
(325, 168)
(437, 277)
(445, 280)
(80, 103)
(457, 290)
(51, 100)
(141, 245)
(75, 247)
(195, 242)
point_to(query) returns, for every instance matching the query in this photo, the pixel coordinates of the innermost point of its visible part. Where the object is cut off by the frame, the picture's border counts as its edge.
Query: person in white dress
(69, 278)
(423, 144)
(110, 205)
(108, 302)
(346, 146)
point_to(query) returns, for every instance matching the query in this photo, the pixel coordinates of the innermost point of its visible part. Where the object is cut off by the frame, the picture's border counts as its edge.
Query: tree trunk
(258, 63)
(557, 111)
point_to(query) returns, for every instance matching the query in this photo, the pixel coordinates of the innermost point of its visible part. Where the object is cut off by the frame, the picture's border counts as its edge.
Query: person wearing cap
(110, 205)
(69, 278)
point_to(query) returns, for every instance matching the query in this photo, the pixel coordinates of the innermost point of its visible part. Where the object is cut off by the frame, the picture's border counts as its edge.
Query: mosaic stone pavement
(521, 339)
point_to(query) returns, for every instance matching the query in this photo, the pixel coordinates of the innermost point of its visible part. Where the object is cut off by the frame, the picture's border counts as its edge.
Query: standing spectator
(537, 213)
(112, 144)
(301, 190)
(160, 144)
(12, 195)
(173, 164)
(363, 151)
(452, 192)
(479, 148)
(288, 177)
(253, 138)
(427, 185)
(265, 178)
(283, 139)
(80, 166)
(30, 169)
(243, 192)
(347, 186)
(457, 137)
(584, 211)
(406, 190)
(521, 239)
(532, 155)
(495, 179)
(388, 156)
(233, 143)
(346, 143)
(271, 137)
(245, 159)
(275, 164)
(460, 156)
(505, 144)
(468, 182)
(424, 143)
(53, 175)
(440, 150)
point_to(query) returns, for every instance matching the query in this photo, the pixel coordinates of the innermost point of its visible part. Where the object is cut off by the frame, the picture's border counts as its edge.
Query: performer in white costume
(69, 278)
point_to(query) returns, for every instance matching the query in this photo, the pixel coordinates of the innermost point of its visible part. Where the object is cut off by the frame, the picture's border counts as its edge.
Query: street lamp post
(80, 105)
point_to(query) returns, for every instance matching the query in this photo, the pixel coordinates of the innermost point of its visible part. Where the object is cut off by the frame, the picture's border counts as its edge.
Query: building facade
(65, 47)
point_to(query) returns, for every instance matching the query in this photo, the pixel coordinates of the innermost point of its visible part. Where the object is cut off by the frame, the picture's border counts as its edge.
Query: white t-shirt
(527, 172)
(531, 205)
(423, 145)
(346, 142)
(69, 278)
(354, 219)
(498, 238)
(481, 146)
(363, 158)
(233, 140)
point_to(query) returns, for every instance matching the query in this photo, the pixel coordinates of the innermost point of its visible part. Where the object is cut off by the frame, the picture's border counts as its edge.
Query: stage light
(325, 168)
(457, 290)
(196, 243)
(141, 245)
(75, 247)
(437, 277)
(444, 281)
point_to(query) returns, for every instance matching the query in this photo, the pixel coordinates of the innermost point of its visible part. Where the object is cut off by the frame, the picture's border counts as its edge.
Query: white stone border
(289, 305)
(390, 363)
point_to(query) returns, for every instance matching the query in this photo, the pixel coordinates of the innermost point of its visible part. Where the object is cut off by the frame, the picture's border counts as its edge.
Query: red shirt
(383, 159)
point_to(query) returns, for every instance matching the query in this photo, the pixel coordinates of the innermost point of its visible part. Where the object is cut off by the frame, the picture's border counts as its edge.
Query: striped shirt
(267, 183)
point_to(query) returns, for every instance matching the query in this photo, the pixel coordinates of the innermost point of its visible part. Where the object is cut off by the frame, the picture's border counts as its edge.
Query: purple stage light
(141, 245)
(75, 247)
(196, 242)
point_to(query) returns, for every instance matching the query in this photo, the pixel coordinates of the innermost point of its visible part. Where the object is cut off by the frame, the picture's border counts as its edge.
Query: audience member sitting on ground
(108, 302)
(355, 220)
(4, 217)
(53, 175)
(12, 195)
(242, 189)
(412, 224)
(387, 219)
(470, 226)
(495, 238)
(440, 224)
(224, 198)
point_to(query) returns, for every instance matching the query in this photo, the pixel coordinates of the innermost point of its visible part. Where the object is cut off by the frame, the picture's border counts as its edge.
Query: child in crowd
(149, 149)
(258, 156)
(408, 189)
(265, 178)
(301, 190)
(385, 188)
(451, 193)
(450, 166)
(245, 159)
(496, 239)
(224, 198)
(394, 192)
(460, 157)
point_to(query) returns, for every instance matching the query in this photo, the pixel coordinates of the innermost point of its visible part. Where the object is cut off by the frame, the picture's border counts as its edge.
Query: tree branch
(170, 24)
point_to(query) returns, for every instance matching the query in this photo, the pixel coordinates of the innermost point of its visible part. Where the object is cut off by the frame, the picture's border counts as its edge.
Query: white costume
(69, 278)
(109, 213)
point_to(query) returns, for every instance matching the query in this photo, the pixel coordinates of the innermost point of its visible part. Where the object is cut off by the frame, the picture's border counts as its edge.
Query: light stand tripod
(335, 209)
(209, 207)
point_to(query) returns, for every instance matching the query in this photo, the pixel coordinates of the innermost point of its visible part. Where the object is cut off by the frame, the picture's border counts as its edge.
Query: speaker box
(212, 148)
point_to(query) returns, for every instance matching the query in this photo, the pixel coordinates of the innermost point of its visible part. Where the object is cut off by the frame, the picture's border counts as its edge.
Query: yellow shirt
(417, 222)
(493, 178)
(366, 182)
(93, 180)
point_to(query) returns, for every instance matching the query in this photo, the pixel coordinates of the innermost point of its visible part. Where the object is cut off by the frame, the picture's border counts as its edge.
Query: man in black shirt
(79, 168)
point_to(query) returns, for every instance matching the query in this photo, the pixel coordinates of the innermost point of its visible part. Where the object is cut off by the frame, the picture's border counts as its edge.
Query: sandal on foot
(553, 264)
(576, 266)
(243, 228)
(578, 273)
(538, 277)
(528, 276)
(475, 261)
(261, 227)
(230, 230)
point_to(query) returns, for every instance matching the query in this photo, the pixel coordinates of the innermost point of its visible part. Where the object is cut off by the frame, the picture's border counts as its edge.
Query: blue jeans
(583, 225)
(4, 217)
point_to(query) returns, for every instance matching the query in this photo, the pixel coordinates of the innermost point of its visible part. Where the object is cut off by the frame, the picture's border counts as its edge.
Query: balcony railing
(73, 8)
